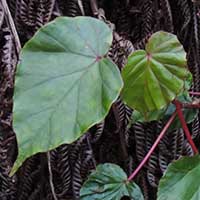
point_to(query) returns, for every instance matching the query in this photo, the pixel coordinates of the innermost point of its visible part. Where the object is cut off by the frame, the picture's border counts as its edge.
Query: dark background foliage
(111, 140)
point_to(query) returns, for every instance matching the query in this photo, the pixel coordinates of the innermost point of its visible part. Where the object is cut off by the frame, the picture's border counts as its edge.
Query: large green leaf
(64, 84)
(181, 180)
(109, 182)
(155, 76)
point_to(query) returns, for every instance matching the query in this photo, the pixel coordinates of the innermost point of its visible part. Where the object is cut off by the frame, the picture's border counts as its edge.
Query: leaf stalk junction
(179, 105)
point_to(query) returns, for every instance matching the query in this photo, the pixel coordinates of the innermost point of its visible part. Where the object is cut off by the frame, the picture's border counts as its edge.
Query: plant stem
(153, 147)
(94, 6)
(190, 105)
(184, 125)
(51, 176)
(11, 23)
(194, 93)
(123, 149)
(80, 4)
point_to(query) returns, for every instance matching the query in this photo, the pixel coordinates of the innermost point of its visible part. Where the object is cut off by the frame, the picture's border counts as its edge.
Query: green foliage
(188, 82)
(189, 114)
(109, 182)
(64, 84)
(154, 77)
(149, 116)
(181, 180)
(165, 113)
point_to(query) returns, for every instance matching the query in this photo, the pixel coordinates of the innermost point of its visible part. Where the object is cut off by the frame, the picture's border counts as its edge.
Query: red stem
(190, 105)
(153, 147)
(184, 125)
(194, 93)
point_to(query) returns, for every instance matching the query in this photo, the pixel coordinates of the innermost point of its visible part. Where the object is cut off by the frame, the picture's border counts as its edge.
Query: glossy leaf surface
(64, 84)
(109, 182)
(155, 76)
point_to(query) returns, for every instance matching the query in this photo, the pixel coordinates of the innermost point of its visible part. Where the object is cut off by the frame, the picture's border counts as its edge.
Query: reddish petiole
(178, 112)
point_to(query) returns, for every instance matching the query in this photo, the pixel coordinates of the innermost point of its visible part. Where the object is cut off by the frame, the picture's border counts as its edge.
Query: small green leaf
(153, 78)
(181, 180)
(188, 81)
(64, 84)
(109, 182)
(189, 113)
(166, 112)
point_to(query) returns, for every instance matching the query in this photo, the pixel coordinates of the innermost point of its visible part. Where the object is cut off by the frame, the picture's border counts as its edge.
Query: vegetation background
(112, 140)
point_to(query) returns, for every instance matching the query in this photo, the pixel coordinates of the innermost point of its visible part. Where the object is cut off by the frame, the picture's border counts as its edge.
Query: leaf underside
(109, 182)
(155, 76)
(165, 113)
(64, 84)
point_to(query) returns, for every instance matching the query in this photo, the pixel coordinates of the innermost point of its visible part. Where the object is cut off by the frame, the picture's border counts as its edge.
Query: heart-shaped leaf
(166, 112)
(109, 182)
(155, 76)
(181, 180)
(64, 84)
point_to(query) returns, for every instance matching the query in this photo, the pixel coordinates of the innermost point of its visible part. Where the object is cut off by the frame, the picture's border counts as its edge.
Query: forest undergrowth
(112, 140)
